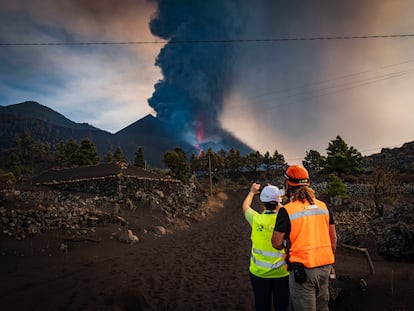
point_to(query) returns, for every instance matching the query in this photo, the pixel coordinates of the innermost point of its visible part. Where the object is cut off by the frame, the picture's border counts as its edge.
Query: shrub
(242, 181)
(336, 187)
(8, 178)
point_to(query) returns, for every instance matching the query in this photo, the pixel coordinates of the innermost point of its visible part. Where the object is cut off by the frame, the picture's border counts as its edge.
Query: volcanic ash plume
(196, 75)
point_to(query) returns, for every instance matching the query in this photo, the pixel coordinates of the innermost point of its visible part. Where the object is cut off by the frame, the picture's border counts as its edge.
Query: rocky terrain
(25, 213)
(80, 216)
(77, 206)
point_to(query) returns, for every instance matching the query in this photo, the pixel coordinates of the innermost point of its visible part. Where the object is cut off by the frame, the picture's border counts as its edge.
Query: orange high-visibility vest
(309, 235)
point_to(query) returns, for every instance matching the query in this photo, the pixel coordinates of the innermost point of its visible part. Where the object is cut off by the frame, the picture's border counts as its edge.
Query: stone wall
(172, 195)
(117, 186)
(64, 206)
(356, 190)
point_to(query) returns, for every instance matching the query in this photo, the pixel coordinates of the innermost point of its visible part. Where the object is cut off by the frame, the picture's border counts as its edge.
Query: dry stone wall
(25, 213)
(355, 190)
(32, 212)
(357, 224)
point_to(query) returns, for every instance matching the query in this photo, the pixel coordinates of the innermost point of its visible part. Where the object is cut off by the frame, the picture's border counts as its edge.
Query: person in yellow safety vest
(305, 228)
(268, 274)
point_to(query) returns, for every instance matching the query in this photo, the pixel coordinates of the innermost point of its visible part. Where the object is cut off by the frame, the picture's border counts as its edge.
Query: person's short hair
(270, 205)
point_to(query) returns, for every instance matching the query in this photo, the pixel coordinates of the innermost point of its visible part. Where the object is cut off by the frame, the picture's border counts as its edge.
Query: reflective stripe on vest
(275, 255)
(309, 212)
(266, 253)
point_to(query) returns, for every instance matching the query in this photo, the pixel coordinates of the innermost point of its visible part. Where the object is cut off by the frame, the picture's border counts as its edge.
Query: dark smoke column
(196, 76)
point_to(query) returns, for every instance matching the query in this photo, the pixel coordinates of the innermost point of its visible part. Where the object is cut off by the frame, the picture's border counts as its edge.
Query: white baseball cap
(271, 193)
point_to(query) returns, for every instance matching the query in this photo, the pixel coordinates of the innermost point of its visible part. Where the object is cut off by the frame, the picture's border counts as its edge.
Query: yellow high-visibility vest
(265, 261)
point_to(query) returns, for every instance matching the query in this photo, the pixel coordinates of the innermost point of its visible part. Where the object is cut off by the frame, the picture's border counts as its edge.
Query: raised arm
(254, 189)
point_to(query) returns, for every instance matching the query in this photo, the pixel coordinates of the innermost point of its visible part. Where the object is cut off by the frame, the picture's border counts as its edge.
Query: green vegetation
(29, 157)
(336, 187)
(341, 159)
(139, 160)
(7, 178)
(70, 154)
(119, 155)
(243, 181)
(314, 162)
(176, 161)
(108, 157)
(383, 189)
(86, 153)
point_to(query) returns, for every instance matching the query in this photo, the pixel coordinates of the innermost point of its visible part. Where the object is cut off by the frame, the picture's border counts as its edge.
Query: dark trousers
(270, 291)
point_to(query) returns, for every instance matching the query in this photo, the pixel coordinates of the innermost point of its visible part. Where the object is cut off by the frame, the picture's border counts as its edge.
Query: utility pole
(211, 182)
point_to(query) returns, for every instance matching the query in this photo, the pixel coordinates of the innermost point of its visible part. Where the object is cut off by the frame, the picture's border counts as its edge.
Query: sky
(211, 65)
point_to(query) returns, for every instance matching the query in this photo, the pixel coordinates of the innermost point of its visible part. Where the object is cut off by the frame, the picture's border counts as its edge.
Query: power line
(257, 98)
(270, 40)
(323, 91)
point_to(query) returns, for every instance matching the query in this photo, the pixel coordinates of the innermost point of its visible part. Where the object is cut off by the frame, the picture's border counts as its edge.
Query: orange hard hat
(297, 175)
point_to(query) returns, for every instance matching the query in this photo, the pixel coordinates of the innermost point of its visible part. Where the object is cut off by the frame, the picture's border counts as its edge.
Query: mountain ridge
(43, 113)
(44, 124)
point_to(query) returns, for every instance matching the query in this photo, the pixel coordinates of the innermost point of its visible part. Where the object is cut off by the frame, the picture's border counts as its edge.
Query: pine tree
(86, 153)
(314, 162)
(139, 160)
(108, 157)
(71, 153)
(60, 154)
(278, 162)
(341, 159)
(253, 161)
(234, 160)
(119, 155)
(176, 161)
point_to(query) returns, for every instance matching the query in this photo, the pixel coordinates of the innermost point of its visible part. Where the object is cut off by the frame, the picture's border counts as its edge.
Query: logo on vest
(310, 206)
(260, 227)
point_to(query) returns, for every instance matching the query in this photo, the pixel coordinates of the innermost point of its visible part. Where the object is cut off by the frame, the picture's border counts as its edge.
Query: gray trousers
(313, 294)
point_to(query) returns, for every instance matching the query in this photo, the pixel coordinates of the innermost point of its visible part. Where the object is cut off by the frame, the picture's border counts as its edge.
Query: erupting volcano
(196, 77)
(199, 136)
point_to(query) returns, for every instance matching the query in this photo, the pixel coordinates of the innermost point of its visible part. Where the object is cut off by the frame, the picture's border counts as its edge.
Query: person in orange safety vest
(305, 228)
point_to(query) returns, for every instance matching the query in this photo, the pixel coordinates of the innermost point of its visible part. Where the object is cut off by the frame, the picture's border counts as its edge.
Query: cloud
(79, 81)
(289, 96)
(299, 95)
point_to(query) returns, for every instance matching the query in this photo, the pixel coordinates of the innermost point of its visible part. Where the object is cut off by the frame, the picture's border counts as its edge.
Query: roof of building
(95, 171)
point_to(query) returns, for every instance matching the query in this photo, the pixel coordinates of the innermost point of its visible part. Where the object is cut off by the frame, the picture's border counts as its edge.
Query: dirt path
(202, 268)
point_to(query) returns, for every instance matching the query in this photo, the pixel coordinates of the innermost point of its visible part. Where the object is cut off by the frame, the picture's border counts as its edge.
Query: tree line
(29, 157)
(341, 160)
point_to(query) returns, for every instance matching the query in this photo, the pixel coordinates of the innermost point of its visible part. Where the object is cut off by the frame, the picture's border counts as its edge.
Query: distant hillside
(400, 160)
(34, 110)
(46, 125)
(155, 138)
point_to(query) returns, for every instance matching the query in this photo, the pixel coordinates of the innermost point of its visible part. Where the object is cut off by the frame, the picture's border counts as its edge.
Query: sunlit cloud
(285, 96)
